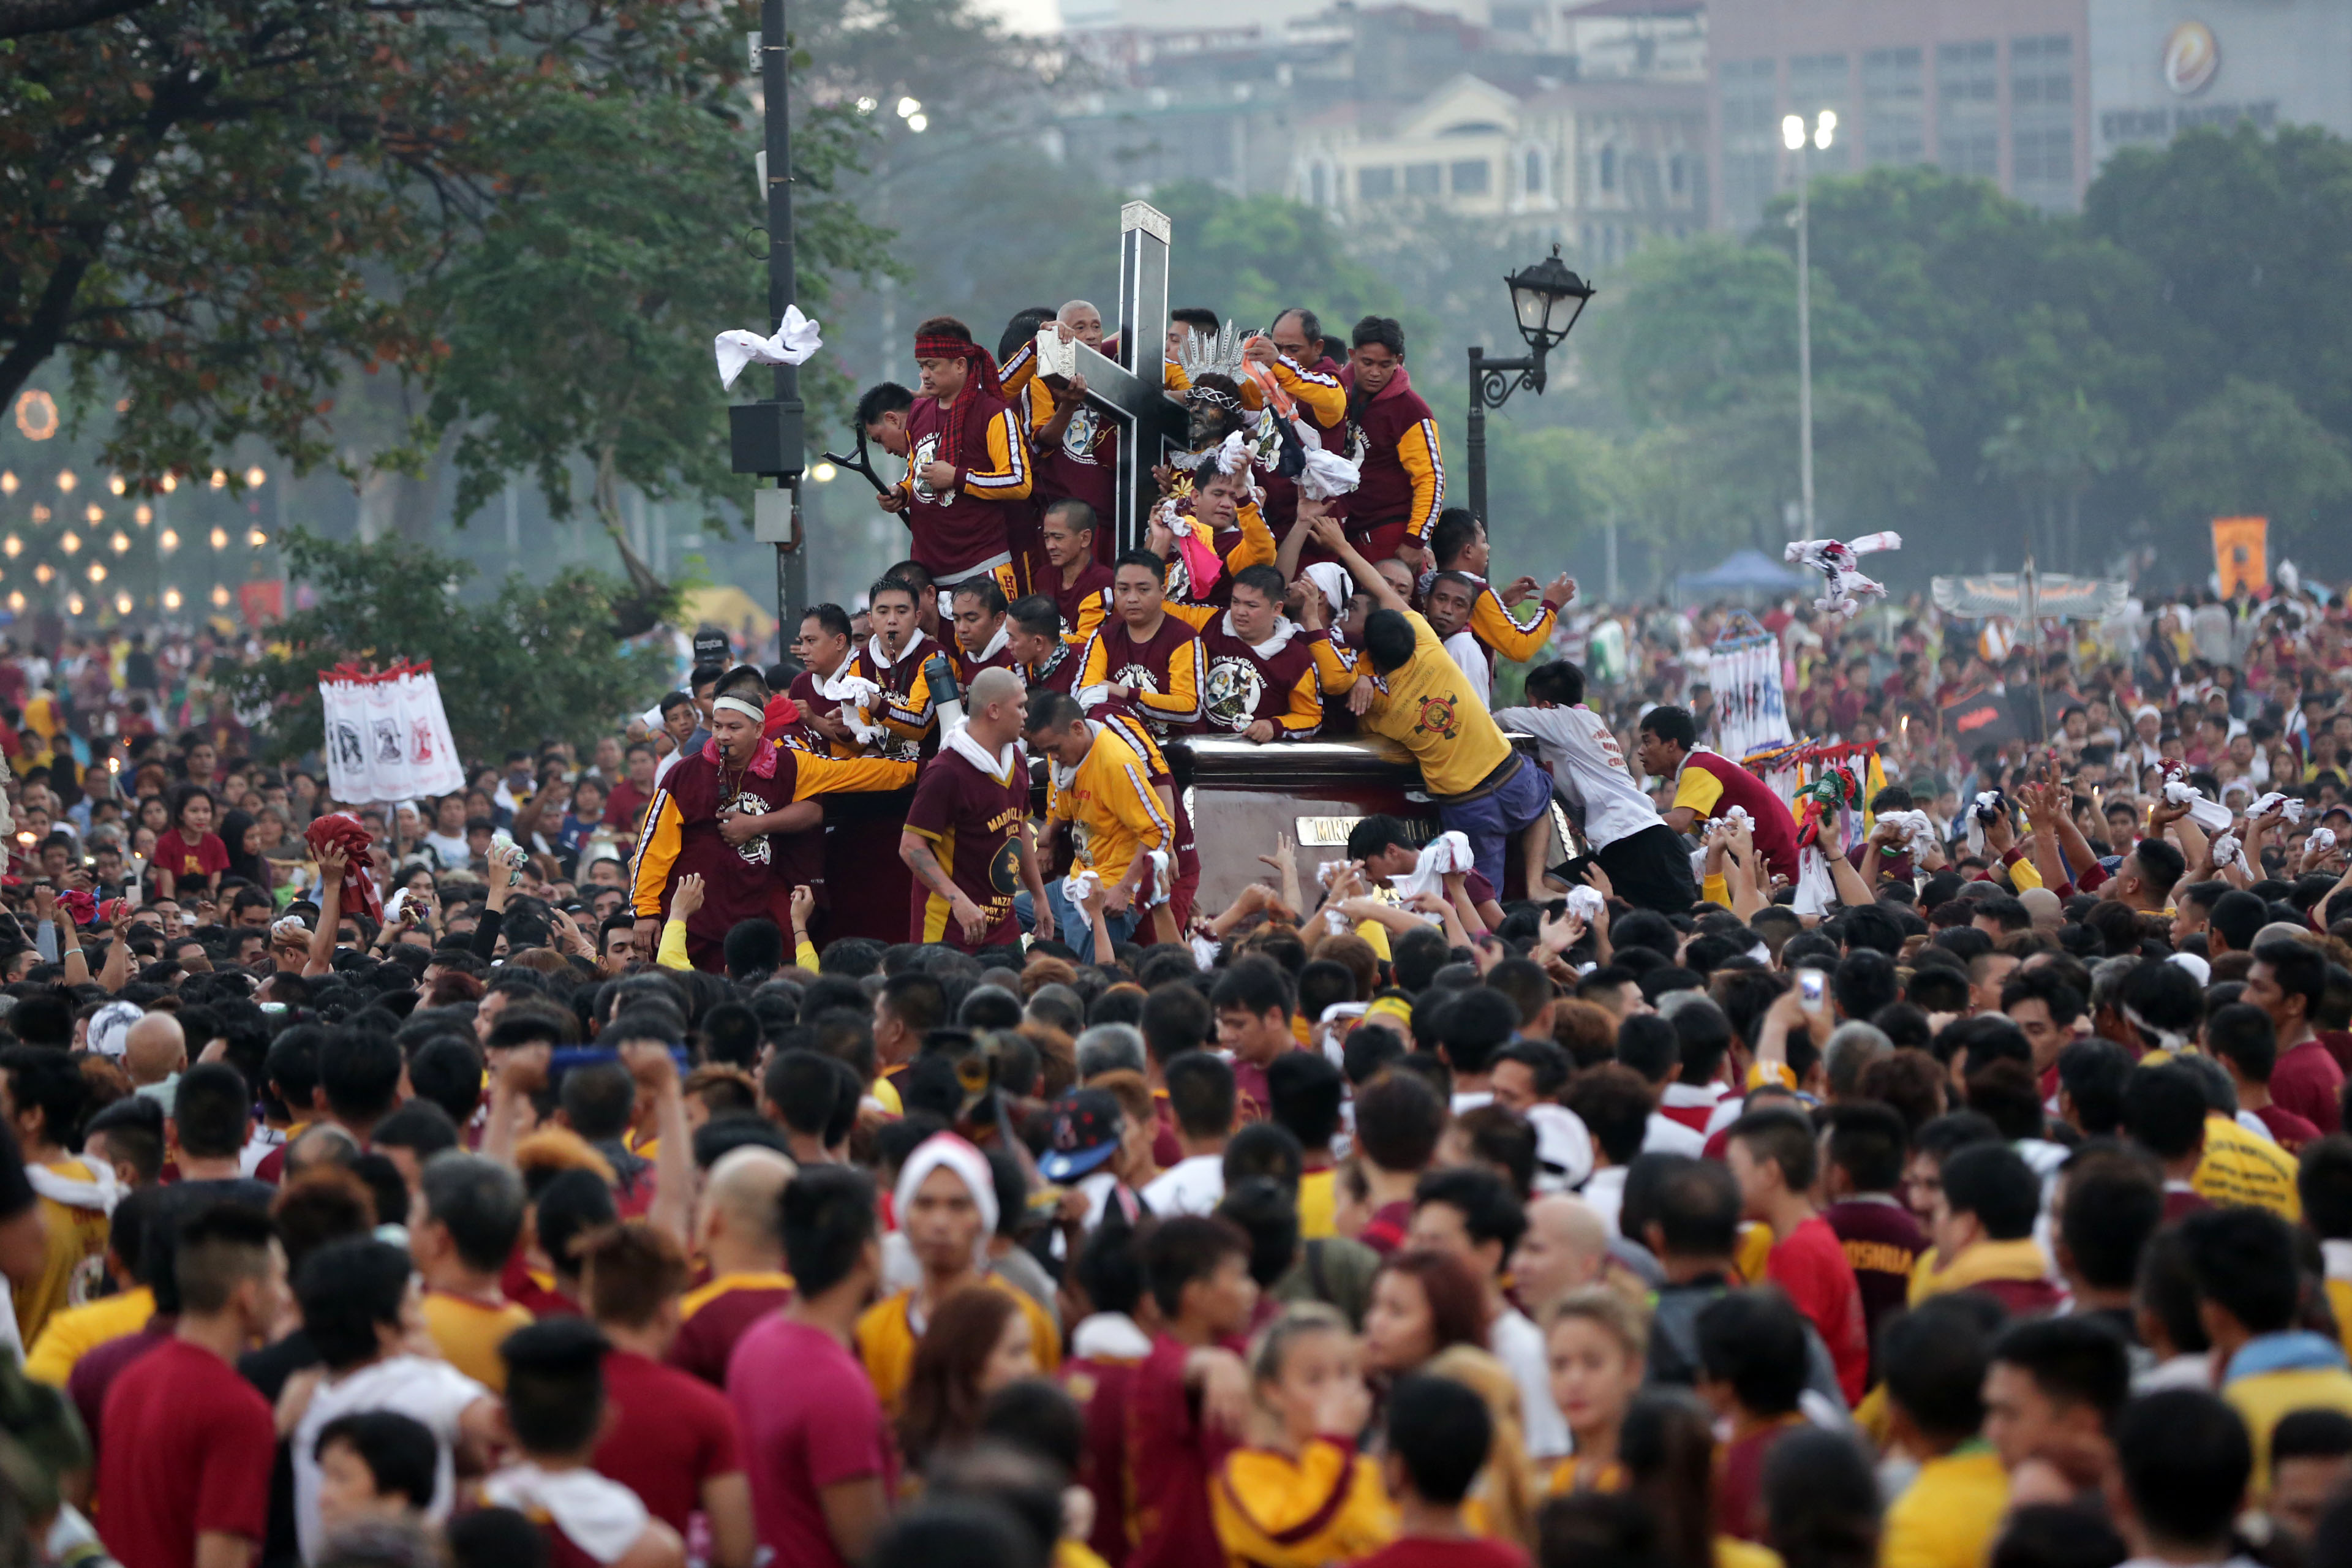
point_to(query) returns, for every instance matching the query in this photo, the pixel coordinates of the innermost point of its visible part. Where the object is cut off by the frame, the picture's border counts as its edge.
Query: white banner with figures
(387, 738)
(1751, 712)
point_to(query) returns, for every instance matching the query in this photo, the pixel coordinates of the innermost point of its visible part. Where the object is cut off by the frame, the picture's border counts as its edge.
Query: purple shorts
(1489, 821)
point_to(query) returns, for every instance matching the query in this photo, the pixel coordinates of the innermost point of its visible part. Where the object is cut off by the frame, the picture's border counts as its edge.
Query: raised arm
(1333, 538)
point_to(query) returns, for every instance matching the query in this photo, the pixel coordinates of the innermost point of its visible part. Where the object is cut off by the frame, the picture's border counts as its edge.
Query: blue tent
(1742, 572)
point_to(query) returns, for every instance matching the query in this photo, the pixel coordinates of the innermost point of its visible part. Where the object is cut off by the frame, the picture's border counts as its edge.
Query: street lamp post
(1546, 299)
(765, 437)
(1794, 136)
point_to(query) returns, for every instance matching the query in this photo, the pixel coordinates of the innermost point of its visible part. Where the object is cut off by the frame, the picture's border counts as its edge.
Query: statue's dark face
(1211, 421)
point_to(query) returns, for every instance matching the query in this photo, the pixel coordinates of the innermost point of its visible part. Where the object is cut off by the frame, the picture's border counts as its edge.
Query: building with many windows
(2160, 67)
(1995, 88)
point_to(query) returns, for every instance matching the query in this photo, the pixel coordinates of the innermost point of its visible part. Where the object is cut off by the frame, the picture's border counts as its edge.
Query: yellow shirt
(1947, 1516)
(2264, 1398)
(1611, 1478)
(76, 1236)
(78, 1330)
(1327, 1505)
(886, 1339)
(1730, 1552)
(1318, 1205)
(2239, 1168)
(1113, 811)
(1428, 707)
(1980, 1263)
(468, 1333)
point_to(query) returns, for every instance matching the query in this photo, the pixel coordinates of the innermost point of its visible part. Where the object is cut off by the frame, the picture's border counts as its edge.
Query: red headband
(981, 379)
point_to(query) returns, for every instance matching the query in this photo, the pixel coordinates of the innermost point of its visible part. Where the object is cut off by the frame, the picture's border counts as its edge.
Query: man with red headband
(968, 464)
(715, 810)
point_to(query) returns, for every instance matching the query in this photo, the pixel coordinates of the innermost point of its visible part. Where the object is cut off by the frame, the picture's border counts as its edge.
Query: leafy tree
(531, 662)
(2249, 450)
(235, 213)
(2248, 237)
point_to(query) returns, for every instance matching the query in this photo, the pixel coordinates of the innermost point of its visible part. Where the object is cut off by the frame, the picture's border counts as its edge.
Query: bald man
(155, 1052)
(739, 1228)
(966, 837)
(1565, 1248)
(1078, 448)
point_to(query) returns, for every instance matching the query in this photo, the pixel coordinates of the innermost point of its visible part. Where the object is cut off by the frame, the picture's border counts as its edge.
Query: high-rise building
(2160, 67)
(1993, 88)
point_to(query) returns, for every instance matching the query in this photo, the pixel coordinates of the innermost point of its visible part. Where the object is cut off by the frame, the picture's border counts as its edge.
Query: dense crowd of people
(1943, 1168)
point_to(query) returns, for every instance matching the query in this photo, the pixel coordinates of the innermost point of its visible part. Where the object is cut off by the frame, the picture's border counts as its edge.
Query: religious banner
(387, 738)
(2242, 555)
(1751, 713)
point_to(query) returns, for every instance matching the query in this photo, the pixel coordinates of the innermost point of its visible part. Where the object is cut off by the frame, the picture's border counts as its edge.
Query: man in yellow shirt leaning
(1408, 689)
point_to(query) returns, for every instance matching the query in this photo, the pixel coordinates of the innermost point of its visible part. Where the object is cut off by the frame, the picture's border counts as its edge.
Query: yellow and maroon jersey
(972, 817)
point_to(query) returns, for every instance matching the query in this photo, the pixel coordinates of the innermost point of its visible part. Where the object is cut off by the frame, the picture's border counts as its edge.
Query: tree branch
(21, 18)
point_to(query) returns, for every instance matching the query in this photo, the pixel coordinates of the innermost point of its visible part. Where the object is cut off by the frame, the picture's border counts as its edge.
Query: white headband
(756, 715)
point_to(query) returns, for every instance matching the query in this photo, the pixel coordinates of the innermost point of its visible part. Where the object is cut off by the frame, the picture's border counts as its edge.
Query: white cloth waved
(1844, 585)
(1986, 807)
(1327, 474)
(2289, 807)
(794, 341)
(1918, 831)
(1587, 904)
(2226, 850)
(2210, 815)
(2321, 841)
(1446, 853)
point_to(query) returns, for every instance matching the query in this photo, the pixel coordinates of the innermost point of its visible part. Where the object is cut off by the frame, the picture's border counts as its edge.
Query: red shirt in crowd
(809, 1420)
(671, 1433)
(2306, 1081)
(1172, 1454)
(190, 1446)
(1809, 1265)
(706, 1341)
(188, 861)
(1423, 1551)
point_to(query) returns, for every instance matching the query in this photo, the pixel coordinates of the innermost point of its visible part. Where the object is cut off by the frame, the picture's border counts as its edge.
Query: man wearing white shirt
(1471, 1213)
(1201, 1097)
(1648, 863)
(363, 1306)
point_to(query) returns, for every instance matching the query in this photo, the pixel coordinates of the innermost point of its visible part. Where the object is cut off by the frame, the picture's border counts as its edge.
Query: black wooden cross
(1132, 389)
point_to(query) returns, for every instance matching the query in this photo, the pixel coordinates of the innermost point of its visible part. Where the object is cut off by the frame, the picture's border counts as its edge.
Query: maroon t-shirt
(2291, 1132)
(1058, 673)
(1093, 583)
(1172, 1453)
(190, 1447)
(707, 1338)
(1881, 1241)
(1420, 1552)
(1145, 665)
(2307, 1082)
(1245, 686)
(1085, 466)
(1101, 1388)
(671, 1432)
(807, 1418)
(955, 530)
(188, 861)
(1775, 831)
(973, 823)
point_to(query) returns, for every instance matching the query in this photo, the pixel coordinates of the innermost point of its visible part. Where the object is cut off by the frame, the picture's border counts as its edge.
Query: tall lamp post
(765, 437)
(1546, 299)
(1794, 136)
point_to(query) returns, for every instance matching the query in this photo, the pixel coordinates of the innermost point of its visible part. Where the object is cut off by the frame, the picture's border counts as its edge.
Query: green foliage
(1255, 257)
(531, 661)
(2250, 451)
